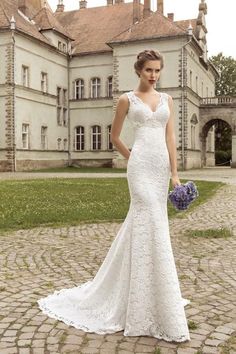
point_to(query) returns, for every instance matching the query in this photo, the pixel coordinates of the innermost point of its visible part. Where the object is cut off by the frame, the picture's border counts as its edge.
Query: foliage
(221, 157)
(226, 66)
(222, 232)
(67, 202)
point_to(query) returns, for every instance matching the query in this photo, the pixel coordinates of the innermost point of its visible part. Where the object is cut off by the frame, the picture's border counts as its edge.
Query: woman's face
(150, 72)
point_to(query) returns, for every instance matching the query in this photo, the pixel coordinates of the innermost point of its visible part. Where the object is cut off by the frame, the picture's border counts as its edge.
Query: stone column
(233, 164)
(10, 106)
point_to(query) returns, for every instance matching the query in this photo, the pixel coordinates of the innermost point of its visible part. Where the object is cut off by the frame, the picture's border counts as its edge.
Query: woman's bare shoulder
(123, 100)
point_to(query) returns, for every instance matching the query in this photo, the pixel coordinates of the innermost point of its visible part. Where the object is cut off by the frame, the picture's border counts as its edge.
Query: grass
(222, 232)
(66, 202)
(157, 351)
(192, 325)
(74, 169)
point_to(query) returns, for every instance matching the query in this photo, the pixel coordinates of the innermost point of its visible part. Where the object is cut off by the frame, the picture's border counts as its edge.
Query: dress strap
(131, 96)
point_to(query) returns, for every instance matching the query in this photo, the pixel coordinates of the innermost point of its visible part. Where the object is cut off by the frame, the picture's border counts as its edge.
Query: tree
(226, 66)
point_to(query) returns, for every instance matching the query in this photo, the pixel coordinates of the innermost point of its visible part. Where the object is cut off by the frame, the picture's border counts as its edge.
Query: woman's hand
(175, 181)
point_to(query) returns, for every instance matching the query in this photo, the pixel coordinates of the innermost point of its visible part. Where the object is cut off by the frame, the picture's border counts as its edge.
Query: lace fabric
(136, 288)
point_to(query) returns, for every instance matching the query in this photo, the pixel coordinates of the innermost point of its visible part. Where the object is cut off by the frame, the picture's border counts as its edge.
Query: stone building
(61, 75)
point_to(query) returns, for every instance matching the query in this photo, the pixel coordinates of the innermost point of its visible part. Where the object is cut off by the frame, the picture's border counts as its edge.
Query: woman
(136, 288)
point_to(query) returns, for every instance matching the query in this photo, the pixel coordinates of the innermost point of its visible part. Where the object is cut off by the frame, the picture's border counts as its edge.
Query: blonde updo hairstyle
(147, 55)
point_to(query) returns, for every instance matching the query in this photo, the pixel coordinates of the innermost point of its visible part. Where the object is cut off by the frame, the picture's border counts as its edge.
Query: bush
(223, 157)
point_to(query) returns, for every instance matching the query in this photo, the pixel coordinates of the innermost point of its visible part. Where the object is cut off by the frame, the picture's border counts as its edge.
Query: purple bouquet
(183, 195)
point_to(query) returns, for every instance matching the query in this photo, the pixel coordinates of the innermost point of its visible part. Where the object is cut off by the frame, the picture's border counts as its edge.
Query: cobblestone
(33, 263)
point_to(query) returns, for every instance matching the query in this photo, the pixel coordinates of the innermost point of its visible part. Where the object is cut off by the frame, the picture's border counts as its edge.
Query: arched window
(109, 143)
(95, 87)
(194, 122)
(96, 137)
(79, 138)
(109, 86)
(79, 89)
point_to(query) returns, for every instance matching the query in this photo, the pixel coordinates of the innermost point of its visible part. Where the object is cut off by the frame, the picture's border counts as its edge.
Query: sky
(219, 19)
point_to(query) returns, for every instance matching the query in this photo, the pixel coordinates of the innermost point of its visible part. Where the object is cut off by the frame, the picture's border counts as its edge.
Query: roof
(154, 26)
(46, 20)
(8, 8)
(82, 24)
(185, 24)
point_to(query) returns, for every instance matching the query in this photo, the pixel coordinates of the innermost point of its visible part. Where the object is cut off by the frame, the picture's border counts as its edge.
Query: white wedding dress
(136, 288)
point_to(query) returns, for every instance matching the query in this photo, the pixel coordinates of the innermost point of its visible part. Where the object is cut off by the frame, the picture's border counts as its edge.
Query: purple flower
(183, 195)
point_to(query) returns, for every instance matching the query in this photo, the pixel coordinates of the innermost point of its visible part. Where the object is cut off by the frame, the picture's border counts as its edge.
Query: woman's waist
(150, 135)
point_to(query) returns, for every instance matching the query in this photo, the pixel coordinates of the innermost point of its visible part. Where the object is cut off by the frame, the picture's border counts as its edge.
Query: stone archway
(211, 110)
(203, 138)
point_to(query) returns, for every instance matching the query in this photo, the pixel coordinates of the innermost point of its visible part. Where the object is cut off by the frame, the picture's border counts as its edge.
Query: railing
(218, 100)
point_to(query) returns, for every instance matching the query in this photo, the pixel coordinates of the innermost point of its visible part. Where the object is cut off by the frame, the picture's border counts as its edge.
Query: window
(25, 136)
(202, 89)
(96, 138)
(95, 87)
(109, 86)
(44, 137)
(58, 96)
(64, 98)
(109, 143)
(207, 93)
(64, 119)
(44, 82)
(209, 141)
(25, 76)
(59, 144)
(79, 89)
(79, 138)
(59, 45)
(196, 84)
(191, 79)
(65, 144)
(64, 47)
(59, 116)
(193, 136)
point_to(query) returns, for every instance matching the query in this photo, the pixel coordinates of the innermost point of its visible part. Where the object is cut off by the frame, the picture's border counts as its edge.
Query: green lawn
(64, 202)
(73, 169)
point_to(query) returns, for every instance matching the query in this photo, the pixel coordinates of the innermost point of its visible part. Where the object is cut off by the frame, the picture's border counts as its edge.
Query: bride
(136, 289)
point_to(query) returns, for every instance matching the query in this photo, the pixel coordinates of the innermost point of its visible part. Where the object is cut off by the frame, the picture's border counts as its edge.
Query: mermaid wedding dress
(136, 288)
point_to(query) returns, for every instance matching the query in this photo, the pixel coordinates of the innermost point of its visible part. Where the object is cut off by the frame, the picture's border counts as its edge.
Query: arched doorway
(214, 143)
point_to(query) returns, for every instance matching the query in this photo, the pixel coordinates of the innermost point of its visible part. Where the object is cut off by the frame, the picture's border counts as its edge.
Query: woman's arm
(121, 111)
(171, 144)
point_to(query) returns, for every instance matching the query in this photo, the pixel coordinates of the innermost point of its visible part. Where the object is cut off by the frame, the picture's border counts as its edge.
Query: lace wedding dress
(136, 288)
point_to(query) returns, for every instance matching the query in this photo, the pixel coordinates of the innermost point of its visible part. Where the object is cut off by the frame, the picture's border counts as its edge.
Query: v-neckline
(157, 106)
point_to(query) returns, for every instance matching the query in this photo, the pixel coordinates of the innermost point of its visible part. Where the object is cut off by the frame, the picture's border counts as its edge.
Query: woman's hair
(147, 55)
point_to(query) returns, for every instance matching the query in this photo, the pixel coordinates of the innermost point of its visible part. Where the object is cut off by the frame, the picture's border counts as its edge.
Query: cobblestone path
(34, 263)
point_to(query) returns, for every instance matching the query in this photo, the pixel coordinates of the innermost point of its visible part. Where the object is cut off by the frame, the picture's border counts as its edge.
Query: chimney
(160, 6)
(136, 11)
(60, 6)
(109, 2)
(119, 1)
(83, 4)
(170, 16)
(147, 9)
